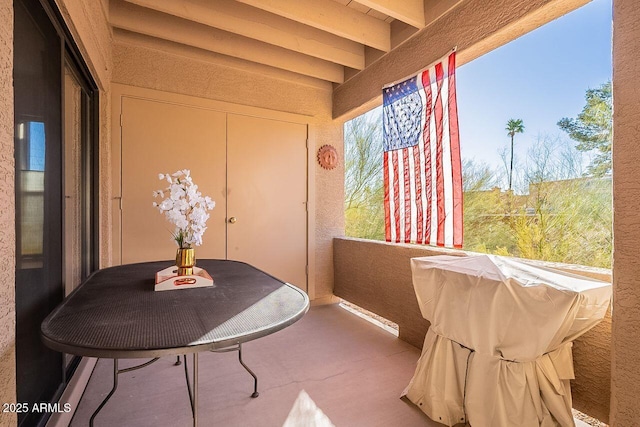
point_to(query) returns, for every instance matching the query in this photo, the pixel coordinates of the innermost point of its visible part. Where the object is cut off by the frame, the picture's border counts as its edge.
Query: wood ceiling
(329, 40)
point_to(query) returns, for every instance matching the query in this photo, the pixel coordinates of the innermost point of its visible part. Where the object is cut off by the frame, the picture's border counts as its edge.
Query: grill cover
(498, 352)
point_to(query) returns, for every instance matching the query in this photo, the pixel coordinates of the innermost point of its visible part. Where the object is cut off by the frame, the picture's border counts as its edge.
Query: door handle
(233, 220)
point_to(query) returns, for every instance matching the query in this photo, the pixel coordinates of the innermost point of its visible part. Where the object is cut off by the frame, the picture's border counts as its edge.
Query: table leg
(117, 372)
(238, 348)
(113, 390)
(255, 378)
(193, 391)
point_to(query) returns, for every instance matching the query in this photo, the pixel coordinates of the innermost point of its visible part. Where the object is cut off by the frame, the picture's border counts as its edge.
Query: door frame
(121, 91)
(71, 57)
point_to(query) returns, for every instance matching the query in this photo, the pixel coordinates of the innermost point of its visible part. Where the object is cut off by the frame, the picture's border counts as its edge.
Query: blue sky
(540, 78)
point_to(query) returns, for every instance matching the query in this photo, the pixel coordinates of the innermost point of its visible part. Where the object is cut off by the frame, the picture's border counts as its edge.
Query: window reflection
(31, 180)
(36, 146)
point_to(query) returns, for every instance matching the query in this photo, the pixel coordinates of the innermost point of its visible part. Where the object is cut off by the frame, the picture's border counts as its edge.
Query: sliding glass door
(55, 247)
(37, 77)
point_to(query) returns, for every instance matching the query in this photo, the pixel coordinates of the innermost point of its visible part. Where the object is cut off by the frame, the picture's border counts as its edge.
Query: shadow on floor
(353, 371)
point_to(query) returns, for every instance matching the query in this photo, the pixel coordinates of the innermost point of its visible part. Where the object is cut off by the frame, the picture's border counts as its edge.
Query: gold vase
(185, 260)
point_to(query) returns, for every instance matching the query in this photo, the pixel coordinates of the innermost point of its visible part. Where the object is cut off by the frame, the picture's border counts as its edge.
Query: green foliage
(562, 217)
(485, 227)
(568, 221)
(514, 126)
(592, 129)
(484, 211)
(364, 191)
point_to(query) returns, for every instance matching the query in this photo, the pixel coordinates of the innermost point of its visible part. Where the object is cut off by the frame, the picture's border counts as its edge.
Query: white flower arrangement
(185, 207)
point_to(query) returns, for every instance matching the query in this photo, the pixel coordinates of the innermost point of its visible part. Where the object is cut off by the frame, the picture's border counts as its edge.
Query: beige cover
(498, 352)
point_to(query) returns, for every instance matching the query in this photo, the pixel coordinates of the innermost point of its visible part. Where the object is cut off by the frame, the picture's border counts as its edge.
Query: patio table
(498, 352)
(117, 314)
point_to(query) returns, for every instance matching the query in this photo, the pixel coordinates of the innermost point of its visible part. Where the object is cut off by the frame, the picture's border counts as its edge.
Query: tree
(567, 217)
(513, 126)
(558, 215)
(592, 129)
(484, 210)
(477, 176)
(503, 175)
(364, 191)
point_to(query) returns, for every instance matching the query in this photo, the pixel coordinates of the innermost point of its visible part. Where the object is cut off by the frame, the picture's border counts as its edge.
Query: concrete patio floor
(353, 371)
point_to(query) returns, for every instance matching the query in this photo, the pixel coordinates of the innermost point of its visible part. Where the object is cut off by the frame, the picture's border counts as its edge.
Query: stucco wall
(147, 68)
(329, 208)
(625, 381)
(154, 69)
(7, 216)
(377, 276)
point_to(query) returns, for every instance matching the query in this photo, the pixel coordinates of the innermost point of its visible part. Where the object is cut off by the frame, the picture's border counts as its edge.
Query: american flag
(422, 170)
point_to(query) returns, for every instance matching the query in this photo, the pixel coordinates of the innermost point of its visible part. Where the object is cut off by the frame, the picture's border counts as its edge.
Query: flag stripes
(421, 164)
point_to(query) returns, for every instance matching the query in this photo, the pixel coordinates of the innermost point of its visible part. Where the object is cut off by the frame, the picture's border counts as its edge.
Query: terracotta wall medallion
(327, 157)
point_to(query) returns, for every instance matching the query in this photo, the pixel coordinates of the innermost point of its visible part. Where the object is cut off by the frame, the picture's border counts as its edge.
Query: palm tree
(513, 126)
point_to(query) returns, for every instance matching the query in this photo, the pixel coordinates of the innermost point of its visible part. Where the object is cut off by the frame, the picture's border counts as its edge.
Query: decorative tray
(168, 279)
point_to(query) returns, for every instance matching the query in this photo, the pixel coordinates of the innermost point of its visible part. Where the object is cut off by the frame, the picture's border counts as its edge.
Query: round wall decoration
(327, 157)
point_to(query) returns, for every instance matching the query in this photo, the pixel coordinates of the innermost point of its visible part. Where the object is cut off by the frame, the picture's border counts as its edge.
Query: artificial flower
(185, 207)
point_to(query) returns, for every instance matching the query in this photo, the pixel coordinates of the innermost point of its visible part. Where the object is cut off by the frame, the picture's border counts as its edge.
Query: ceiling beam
(333, 17)
(254, 23)
(156, 24)
(437, 8)
(124, 37)
(408, 11)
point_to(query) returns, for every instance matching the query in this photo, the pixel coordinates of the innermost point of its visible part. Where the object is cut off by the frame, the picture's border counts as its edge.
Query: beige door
(254, 168)
(267, 196)
(160, 137)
